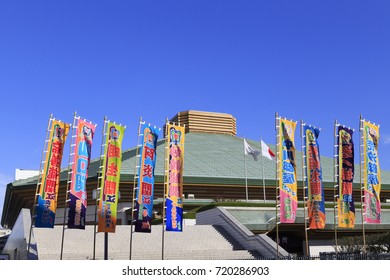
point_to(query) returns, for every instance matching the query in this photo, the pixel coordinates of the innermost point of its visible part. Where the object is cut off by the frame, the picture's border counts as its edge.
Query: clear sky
(311, 60)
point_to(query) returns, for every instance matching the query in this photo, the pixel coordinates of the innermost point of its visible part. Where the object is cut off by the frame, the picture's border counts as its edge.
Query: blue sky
(311, 60)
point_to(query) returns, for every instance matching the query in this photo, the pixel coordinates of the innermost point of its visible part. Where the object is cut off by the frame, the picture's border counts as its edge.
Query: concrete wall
(261, 243)
(319, 246)
(17, 242)
(90, 214)
(195, 242)
(24, 173)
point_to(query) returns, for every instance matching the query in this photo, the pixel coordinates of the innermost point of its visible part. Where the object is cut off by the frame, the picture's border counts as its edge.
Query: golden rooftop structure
(208, 122)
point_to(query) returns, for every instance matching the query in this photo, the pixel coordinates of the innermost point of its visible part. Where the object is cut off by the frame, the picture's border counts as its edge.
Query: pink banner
(287, 172)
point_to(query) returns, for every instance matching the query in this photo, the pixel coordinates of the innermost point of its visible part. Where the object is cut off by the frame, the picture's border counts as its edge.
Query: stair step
(195, 242)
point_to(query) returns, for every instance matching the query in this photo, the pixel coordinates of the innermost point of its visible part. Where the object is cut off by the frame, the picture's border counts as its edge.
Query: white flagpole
(246, 179)
(362, 174)
(39, 182)
(305, 187)
(262, 165)
(336, 184)
(135, 186)
(69, 182)
(166, 186)
(98, 189)
(277, 189)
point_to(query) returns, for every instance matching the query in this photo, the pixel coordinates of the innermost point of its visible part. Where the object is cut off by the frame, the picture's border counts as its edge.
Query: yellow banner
(372, 173)
(109, 187)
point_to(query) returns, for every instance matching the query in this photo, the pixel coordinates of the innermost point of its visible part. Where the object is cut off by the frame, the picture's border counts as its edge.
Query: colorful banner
(77, 191)
(372, 174)
(345, 174)
(313, 171)
(145, 187)
(174, 192)
(287, 172)
(109, 187)
(48, 191)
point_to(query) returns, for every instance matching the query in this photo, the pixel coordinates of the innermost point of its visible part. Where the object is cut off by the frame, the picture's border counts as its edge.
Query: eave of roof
(213, 159)
(218, 158)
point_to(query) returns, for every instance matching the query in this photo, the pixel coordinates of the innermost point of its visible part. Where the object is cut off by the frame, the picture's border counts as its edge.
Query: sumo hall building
(214, 172)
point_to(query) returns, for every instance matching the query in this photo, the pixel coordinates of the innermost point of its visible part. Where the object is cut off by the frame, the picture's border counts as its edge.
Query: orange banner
(48, 191)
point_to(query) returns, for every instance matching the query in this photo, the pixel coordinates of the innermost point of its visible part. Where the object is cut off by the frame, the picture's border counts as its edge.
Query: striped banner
(77, 191)
(48, 191)
(109, 186)
(145, 186)
(174, 179)
(313, 172)
(372, 175)
(345, 174)
(287, 172)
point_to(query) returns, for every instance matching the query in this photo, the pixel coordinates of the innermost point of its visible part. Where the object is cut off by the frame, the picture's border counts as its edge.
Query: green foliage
(375, 243)
(378, 243)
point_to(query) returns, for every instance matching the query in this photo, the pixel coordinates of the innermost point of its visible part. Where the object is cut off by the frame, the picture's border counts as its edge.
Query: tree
(375, 243)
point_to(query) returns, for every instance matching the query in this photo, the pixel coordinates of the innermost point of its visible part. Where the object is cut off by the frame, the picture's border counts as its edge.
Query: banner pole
(98, 190)
(70, 173)
(304, 186)
(165, 191)
(246, 177)
(277, 195)
(336, 181)
(106, 246)
(362, 187)
(262, 165)
(135, 180)
(39, 182)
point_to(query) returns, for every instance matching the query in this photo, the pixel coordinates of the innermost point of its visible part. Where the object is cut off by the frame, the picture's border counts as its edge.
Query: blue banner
(145, 187)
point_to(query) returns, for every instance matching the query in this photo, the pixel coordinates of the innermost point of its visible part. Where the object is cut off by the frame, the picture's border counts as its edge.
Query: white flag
(248, 150)
(266, 151)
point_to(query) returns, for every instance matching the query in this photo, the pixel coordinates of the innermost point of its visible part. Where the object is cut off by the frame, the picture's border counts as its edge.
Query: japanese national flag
(266, 151)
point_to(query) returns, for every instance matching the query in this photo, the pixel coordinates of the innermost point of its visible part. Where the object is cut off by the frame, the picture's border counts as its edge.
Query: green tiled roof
(217, 159)
(263, 218)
